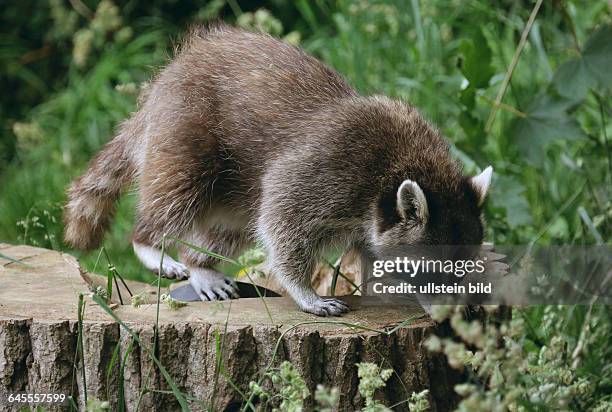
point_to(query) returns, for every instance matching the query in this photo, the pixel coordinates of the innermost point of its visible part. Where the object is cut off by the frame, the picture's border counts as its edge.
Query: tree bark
(39, 335)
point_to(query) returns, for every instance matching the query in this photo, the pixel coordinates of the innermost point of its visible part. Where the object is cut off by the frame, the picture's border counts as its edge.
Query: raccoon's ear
(411, 201)
(481, 184)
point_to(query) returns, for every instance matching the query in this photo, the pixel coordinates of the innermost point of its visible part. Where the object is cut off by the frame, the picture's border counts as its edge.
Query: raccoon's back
(248, 94)
(254, 82)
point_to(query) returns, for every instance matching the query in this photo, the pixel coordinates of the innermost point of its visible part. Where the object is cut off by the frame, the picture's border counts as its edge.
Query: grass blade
(81, 313)
(180, 397)
(586, 219)
(13, 260)
(513, 63)
(109, 284)
(122, 375)
(206, 251)
(111, 365)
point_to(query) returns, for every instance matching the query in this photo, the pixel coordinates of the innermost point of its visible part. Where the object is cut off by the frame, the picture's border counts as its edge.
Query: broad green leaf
(507, 194)
(475, 65)
(559, 229)
(476, 136)
(597, 55)
(467, 97)
(476, 62)
(572, 79)
(575, 77)
(546, 120)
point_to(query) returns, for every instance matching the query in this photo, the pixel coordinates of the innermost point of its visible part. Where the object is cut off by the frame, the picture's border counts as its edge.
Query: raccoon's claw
(212, 285)
(326, 307)
(172, 270)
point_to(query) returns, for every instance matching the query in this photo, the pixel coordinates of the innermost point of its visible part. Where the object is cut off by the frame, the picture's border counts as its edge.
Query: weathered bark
(39, 334)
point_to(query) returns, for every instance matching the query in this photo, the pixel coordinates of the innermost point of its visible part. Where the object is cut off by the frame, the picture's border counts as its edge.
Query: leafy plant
(577, 76)
(538, 360)
(372, 378)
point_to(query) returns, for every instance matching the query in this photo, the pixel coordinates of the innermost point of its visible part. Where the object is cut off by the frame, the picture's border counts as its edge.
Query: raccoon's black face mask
(417, 217)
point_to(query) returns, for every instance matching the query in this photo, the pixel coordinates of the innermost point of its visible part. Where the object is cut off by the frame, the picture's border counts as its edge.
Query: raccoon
(243, 138)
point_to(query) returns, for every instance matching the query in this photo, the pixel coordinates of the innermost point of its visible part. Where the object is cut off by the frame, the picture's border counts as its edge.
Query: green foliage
(546, 120)
(372, 378)
(290, 389)
(293, 389)
(544, 359)
(418, 402)
(577, 76)
(476, 64)
(105, 21)
(139, 299)
(476, 67)
(507, 194)
(289, 386)
(172, 303)
(326, 398)
(95, 405)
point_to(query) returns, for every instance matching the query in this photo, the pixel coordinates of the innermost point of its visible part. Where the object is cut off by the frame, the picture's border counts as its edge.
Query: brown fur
(93, 195)
(244, 137)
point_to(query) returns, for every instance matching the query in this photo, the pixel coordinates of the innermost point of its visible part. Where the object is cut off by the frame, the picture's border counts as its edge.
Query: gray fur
(242, 137)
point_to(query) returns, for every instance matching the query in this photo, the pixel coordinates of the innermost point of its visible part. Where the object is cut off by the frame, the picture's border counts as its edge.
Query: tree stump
(39, 335)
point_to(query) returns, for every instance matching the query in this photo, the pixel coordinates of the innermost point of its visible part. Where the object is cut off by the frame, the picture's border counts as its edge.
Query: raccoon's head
(415, 215)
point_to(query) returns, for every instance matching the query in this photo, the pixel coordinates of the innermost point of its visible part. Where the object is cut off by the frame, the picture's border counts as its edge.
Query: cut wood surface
(39, 334)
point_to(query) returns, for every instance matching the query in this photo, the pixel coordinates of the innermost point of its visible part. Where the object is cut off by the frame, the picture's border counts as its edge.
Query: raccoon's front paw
(174, 270)
(325, 307)
(212, 285)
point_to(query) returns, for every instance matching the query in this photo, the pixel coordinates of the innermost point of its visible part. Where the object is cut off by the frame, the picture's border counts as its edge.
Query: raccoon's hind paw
(212, 285)
(151, 258)
(326, 307)
(173, 269)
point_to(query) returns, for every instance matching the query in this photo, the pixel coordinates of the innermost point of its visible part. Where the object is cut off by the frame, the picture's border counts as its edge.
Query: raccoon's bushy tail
(92, 197)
